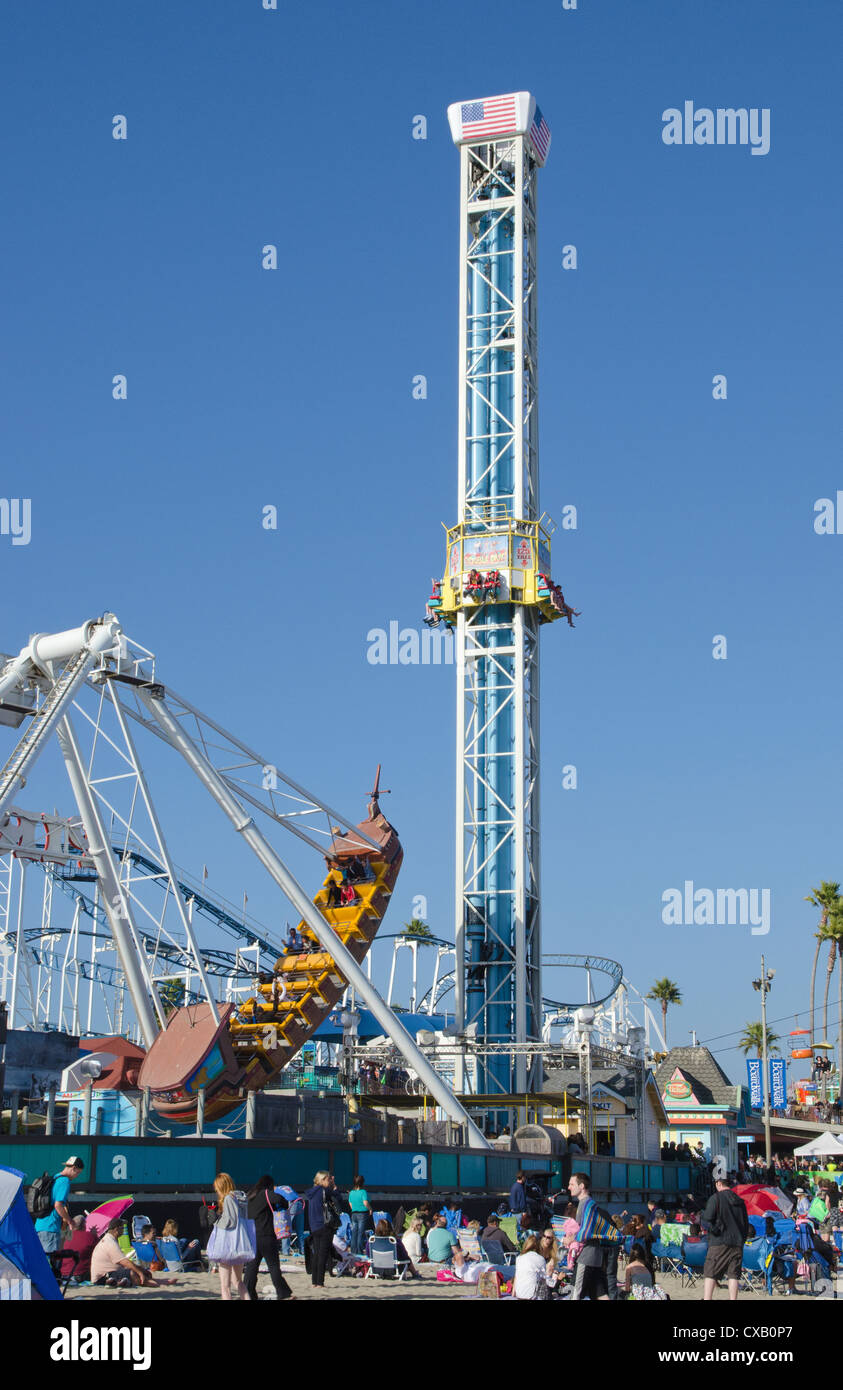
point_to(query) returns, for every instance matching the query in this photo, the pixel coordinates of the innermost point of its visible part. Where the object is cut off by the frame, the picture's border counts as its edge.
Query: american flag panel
(493, 116)
(540, 135)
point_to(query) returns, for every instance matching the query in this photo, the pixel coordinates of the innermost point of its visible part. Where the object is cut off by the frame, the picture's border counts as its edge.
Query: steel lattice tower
(496, 592)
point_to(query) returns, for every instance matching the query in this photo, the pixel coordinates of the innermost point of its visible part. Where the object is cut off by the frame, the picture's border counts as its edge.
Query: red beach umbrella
(764, 1201)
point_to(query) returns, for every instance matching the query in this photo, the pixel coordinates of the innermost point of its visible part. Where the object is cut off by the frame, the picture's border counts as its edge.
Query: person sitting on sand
(383, 1228)
(413, 1240)
(441, 1243)
(493, 1234)
(189, 1252)
(469, 1271)
(637, 1269)
(83, 1243)
(110, 1266)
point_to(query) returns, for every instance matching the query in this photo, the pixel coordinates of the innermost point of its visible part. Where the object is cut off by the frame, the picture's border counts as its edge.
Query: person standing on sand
(728, 1224)
(232, 1241)
(261, 1209)
(320, 1220)
(50, 1228)
(361, 1210)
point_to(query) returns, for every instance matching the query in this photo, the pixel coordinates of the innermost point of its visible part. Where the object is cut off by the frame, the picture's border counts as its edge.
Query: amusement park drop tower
(496, 591)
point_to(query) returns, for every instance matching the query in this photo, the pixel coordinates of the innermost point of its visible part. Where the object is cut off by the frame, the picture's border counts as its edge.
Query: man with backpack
(728, 1225)
(48, 1203)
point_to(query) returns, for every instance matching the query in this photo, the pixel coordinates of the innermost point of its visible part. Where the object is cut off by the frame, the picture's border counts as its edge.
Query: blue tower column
(503, 142)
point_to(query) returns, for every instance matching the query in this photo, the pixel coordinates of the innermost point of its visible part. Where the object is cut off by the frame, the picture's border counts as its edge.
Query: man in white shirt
(110, 1265)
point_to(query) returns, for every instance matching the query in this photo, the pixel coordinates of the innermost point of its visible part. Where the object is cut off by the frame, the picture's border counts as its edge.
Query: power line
(785, 1018)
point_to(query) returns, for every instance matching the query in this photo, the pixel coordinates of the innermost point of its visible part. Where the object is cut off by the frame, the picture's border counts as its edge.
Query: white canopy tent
(827, 1143)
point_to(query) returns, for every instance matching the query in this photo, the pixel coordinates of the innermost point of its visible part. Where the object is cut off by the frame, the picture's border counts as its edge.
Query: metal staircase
(42, 724)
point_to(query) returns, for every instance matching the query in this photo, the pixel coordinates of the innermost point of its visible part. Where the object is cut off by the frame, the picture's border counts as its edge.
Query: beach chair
(668, 1258)
(757, 1264)
(171, 1253)
(693, 1259)
(510, 1225)
(384, 1261)
(810, 1264)
(469, 1244)
(145, 1251)
(493, 1251)
(57, 1259)
(453, 1219)
(138, 1223)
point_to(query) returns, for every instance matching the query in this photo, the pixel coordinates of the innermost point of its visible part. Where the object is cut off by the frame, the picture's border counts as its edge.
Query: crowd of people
(682, 1153)
(567, 1247)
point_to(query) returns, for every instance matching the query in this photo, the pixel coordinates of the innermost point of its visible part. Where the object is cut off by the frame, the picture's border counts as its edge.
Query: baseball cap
(73, 1162)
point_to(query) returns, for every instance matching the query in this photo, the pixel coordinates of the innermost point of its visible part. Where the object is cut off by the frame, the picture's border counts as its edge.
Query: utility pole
(764, 984)
(3, 1030)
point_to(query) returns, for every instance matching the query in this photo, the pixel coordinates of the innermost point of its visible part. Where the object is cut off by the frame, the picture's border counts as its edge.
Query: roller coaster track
(601, 964)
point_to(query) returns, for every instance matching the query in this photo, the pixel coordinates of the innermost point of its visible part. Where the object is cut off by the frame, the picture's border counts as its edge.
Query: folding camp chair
(557, 1225)
(469, 1244)
(384, 1261)
(57, 1259)
(669, 1258)
(807, 1256)
(172, 1254)
(493, 1251)
(757, 1264)
(145, 1251)
(138, 1223)
(693, 1259)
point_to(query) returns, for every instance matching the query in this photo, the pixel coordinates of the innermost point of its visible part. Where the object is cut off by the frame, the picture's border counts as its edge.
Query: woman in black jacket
(262, 1201)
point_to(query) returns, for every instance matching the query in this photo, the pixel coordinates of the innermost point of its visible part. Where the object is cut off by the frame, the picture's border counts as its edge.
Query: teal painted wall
(473, 1170)
(343, 1169)
(501, 1172)
(394, 1167)
(294, 1166)
(444, 1170)
(33, 1161)
(177, 1165)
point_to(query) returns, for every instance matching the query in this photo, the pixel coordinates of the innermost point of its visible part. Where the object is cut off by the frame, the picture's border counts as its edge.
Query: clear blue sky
(293, 388)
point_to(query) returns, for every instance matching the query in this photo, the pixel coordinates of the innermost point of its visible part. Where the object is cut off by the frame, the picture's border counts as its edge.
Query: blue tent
(20, 1247)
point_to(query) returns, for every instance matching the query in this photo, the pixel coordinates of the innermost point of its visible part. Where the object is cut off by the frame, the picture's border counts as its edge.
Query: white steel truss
(497, 909)
(113, 800)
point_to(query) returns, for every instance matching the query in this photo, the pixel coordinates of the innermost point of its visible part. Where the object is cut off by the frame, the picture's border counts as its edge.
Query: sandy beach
(205, 1287)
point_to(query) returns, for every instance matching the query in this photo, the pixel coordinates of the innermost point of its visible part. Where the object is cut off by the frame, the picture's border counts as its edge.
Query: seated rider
(475, 582)
(356, 870)
(565, 608)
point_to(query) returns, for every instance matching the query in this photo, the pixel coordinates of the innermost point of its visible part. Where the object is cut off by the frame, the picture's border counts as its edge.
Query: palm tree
(753, 1040)
(416, 927)
(833, 934)
(666, 992)
(824, 898)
